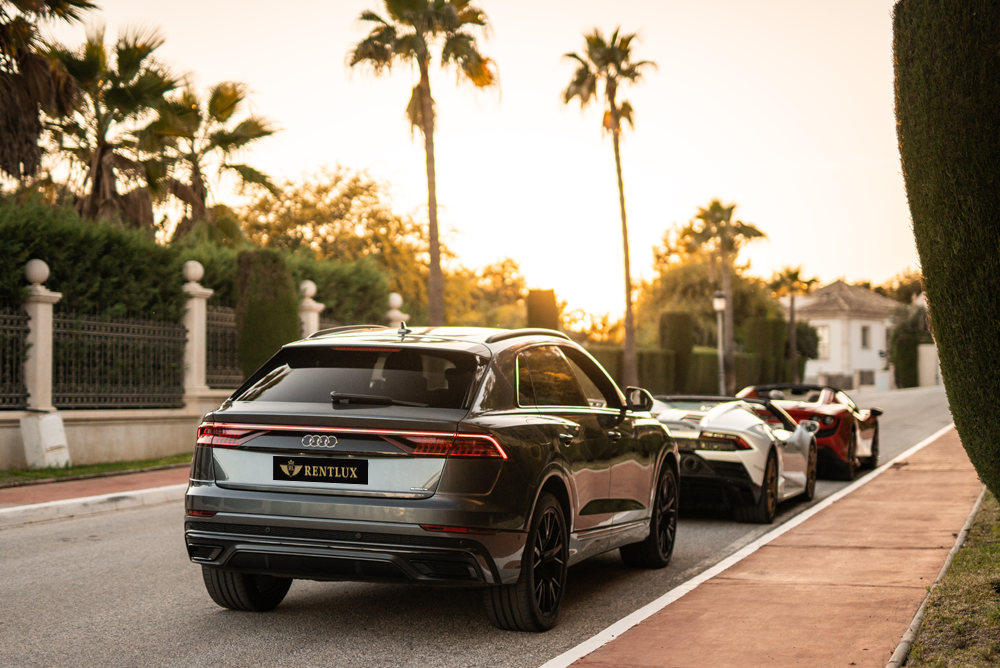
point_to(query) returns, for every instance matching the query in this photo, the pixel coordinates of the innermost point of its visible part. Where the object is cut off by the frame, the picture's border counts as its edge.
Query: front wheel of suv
(243, 591)
(532, 603)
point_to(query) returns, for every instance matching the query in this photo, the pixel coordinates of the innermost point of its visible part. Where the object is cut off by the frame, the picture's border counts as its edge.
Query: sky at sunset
(784, 107)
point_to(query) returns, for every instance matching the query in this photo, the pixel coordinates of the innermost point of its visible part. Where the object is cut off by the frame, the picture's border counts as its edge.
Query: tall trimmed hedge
(267, 307)
(354, 292)
(905, 356)
(100, 268)
(656, 367)
(704, 376)
(768, 337)
(947, 59)
(677, 334)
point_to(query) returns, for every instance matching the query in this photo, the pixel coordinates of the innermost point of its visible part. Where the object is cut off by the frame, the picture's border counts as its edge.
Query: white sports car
(747, 454)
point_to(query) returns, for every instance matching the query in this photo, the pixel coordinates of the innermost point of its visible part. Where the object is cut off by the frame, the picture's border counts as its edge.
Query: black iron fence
(13, 332)
(116, 363)
(222, 362)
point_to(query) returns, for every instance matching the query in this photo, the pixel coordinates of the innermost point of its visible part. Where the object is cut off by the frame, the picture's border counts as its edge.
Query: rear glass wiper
(370, 399)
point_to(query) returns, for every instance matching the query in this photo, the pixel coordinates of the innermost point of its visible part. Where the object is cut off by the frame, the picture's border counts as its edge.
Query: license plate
(321, 469)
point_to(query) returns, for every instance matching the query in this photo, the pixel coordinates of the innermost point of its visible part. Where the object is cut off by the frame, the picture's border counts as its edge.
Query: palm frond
(250, 176)
(415, 111)
(133, 48)
(461, 49)
(224, 100)
(377, 50)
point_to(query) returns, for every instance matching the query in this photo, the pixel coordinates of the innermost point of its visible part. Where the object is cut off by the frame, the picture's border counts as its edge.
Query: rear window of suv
(407, 376)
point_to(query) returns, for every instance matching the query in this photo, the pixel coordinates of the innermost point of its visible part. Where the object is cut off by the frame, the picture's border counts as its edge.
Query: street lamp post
(719, 304)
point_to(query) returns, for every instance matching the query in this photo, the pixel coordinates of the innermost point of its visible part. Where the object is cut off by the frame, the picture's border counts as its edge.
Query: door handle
(614, 434)
(566, 439)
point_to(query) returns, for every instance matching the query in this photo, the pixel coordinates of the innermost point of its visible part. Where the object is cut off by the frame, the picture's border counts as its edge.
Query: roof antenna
(403, 331)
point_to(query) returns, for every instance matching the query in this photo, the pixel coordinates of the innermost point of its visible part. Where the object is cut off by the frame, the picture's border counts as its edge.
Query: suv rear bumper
(320, 549)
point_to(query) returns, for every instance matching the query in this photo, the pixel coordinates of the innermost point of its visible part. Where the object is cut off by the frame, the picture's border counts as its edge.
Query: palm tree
(407, 35)
(28, 81)
(122, 87)
(609, 62)
(194, 133)
(790, 282)
(714, 231)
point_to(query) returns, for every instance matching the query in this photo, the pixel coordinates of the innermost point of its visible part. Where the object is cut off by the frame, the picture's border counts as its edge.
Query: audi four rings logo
(319, 441)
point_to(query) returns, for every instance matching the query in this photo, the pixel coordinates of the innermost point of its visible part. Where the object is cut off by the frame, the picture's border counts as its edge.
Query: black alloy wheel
(532, 603)
(244, 591)
(764, 510)
(810, 490)
(872, 461)
(655, 551)
(850, 468)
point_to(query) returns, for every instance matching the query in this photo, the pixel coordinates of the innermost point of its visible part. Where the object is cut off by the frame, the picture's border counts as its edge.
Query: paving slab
(840, 589)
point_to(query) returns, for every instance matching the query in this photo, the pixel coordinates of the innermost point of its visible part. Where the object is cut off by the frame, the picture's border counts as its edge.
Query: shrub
(267, 311)
(677, 334)
(904, 354)
(768, 338)
(220, 270)
(354, 292)
(704, 376)
(656, 367)
(948, 112)
(542, 309)
(100, 268)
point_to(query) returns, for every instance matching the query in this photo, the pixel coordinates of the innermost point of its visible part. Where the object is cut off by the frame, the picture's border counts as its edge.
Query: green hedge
(267, 307)
(906, 358)
(353, 292)
(656, 367)
(768, 337)
(677, 334)
(947, 56)
(704, 376)
(100, 268)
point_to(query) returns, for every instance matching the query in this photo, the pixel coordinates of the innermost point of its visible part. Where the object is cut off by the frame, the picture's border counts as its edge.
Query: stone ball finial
(307, 289)
(36, 271)
(395, 300)
(193, 271)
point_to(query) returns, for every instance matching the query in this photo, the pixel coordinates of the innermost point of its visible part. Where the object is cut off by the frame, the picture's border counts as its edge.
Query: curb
(898, 657)
(90, 476)
(602, 638)
(89, 505)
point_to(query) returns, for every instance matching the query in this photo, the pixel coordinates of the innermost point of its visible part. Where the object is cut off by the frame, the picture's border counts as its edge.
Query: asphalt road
(118, 590)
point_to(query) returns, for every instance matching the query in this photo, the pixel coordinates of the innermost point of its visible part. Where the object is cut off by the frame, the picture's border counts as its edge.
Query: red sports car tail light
(216, 435)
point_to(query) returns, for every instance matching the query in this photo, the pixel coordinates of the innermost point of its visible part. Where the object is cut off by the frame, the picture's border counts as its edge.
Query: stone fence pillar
(196, 322)
(309, 309)
(38, 366)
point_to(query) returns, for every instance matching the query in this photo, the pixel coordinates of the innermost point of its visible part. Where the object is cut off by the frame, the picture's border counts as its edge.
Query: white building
(854, 326)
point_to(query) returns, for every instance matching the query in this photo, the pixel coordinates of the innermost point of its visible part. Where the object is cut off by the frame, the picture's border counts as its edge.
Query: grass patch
(961, 627)
(17, 475)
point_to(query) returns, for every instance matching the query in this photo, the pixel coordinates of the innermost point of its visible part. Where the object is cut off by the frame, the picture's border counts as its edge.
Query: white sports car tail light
(711, 440)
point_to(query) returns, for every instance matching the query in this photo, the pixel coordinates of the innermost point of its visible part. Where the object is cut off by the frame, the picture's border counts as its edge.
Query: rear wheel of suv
(532, 603)
(655, 551)
(244, 591)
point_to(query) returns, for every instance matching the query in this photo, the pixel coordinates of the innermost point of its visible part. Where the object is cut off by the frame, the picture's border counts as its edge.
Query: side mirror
(810, 425)
(875, 412)
(638, 399)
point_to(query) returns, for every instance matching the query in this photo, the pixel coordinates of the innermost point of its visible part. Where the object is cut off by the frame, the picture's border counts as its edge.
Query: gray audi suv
(441, 456)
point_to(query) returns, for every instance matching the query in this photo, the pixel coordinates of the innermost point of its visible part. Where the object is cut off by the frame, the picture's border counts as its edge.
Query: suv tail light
(711, 440)
(215, 435)
(449, 445)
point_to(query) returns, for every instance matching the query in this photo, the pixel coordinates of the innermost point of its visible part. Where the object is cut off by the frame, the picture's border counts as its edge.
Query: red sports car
(848, 436)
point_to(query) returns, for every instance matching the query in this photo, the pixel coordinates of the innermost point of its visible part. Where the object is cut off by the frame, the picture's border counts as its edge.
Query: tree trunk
(630, 367)
(729, 333)
(792, 338)
(435, 282)
(199, 205)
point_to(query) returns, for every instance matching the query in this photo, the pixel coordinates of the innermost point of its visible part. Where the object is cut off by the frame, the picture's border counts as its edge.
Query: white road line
(624, 624)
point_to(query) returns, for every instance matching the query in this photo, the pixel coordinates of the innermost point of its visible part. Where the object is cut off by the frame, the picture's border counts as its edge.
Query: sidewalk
(838, 590)
(75, 489)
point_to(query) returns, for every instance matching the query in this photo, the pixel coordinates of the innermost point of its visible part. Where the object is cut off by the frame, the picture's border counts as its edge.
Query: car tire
(655, 551)
(810, 490)
(764, 510)
(849, 468)
(532, 603)
(872, 461)
(244, 591)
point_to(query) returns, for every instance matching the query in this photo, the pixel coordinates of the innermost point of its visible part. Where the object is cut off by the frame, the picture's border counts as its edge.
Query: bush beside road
(14, 477)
